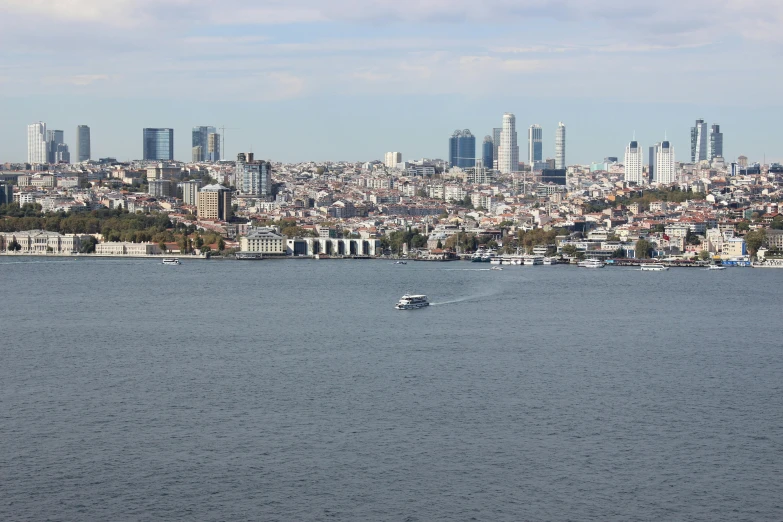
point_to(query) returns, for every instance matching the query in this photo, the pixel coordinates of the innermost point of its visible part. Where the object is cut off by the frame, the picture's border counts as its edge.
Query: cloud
(77, 79)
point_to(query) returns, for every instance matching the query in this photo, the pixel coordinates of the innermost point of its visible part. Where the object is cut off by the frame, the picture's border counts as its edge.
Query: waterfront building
(391, 159)
(36, 143)
(699, 141)
(158, 144)
(560, 146)
(462, 149)
(634, 163)
(190, 192)
(118, 248)
(82, 143)
(214, 202)
(488, 153)
(665, 168)
(264, 241)
(41, 242)
(508, 152)
(535, 144)
(716, 142)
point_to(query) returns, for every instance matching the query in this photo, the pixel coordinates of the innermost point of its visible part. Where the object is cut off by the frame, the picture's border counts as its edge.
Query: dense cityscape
(485, 200)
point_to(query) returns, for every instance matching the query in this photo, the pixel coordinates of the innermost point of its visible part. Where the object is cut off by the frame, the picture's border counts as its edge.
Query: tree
(704, 255)
(643, 249)
(162, 246)
(221, 244)
(440, 244)
(777, 223)
(570, 250)
(619, 253)
(754, 240)
(742, 226)
(14, 245)
(87, 245)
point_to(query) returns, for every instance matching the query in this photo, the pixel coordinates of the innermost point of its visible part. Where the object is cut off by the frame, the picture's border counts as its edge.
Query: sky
(320, 80)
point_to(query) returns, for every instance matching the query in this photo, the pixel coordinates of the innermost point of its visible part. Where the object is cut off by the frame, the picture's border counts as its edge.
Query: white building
(560, 146)
(40, 242)
(634, 163)
(391, 159)
(36, 143)
(665, 169)
(508, 151)
(190, 192)
(263, 241)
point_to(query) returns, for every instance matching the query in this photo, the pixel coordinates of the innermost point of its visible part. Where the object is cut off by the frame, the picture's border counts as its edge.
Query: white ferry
(591, 263)
(412, 302)
(533, 260)
(653, 267)
(171, 261)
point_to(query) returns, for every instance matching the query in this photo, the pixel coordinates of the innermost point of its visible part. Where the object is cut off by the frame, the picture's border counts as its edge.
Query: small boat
(548, 261)
(715, 267)
(412, 302)
(591, 263)
(400, 262)
(496, 268)
(171, 261)
(653, 267)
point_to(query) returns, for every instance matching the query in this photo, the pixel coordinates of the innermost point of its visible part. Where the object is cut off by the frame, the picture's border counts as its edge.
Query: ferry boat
(653, 267)
(533, 260)
(171, 261)
(768, 263)
(412, 302)
(591, 263)
(477, 256)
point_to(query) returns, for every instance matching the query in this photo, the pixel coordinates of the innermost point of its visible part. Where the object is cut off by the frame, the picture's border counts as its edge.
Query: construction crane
(223, 137)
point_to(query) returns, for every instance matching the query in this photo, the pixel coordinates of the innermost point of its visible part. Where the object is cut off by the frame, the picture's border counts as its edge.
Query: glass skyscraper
(699, 141)
(462, 149)
(201, 139)
(716, 142)
(488, 153)
(535, 144)
(82, 143)
(159, 144)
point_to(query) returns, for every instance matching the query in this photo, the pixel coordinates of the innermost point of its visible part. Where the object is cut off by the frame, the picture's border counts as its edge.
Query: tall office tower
(82, 143)
(213, 147)
(496, 145)
(699, 141)
(462, 149)
(560, 146)
(391, 159)
(634, 163)
(652, 159)
(201, 139)
(214, 202)
(158, 144)
(488, 153)
(665, 172)
(508, 151)
(62, 154)
(54, 138)
(742, 161)
(716, 142)
(253, 178)
(535, 144)
(36, 143)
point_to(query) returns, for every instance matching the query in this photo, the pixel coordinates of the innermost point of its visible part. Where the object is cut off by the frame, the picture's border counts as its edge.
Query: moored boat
(653, 267)
(591, 263)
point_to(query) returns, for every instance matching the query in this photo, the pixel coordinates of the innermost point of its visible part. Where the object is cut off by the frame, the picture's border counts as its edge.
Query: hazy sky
(304, 80)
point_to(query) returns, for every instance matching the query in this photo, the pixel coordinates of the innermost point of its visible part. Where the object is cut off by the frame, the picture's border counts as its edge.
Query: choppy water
(293, 391)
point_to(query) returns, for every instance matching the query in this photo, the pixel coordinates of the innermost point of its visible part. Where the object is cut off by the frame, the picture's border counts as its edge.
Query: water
(292, 390)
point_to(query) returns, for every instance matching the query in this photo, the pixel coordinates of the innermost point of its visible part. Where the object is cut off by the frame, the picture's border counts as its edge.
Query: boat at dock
(412, 302)
(591, 263)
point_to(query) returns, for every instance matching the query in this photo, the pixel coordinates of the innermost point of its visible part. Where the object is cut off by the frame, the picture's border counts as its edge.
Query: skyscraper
(699, 141)
(462, 149)
(535, 138)
(253, 178)
(54, 138)
(560, 146)
(652, 159)
(716, 142)
(391, 159)
(82, 143)
(508, 151)
(200, 138)
(665, 172)
(488, 153)
(36, 143)
(634, 163)
(496, 145)
(213, 147)
(158, 144)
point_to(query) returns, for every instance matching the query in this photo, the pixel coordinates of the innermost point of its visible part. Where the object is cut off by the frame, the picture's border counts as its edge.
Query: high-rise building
(652, 158)
(197, 154)
(62, 154)
(462, 149)
(54, 138)
(6, 194)
(82, 143)
(508, 151)
(158, 144)
(716, 142)
(36, 143)
(214, 202)
(190, 192)
(634, 163)
(391, 159)
(496, 144)
(488, 153)
(200, 138)
(742, 161)
(253, 178)
(213, 147)
(535, 144)
(560, 146)
(665, 168)
(699, 141)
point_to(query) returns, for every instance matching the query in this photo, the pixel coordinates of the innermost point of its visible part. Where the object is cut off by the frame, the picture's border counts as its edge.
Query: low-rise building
(264, 241)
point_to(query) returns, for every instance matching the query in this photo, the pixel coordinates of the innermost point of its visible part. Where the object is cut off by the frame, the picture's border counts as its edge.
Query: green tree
(704, 255)
(162, 246)
(643, 249)
(87, 245)
(754, 240)
(742, 226)
(618, 253)
(221, 245)
(777, 223)
(570, 250)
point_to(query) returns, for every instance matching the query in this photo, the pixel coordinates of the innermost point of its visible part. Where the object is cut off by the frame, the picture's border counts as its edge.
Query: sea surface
(293, 391)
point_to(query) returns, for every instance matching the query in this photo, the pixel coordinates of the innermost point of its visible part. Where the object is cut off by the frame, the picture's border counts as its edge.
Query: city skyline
(332, 65)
